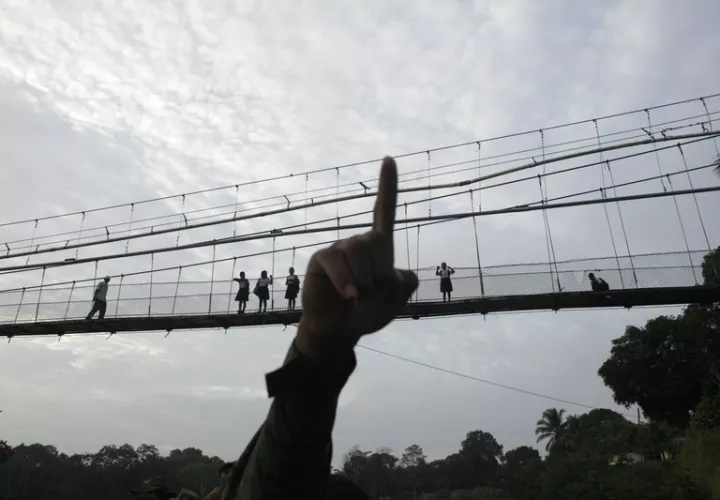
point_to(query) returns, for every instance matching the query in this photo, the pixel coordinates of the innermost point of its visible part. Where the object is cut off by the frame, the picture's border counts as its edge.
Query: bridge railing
(58, 302)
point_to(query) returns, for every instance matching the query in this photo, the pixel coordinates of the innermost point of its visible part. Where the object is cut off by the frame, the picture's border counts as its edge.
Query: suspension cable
(272, 283)
(212, 279)
(364, 225)
(548, 234)
(657, 155)
(67, 306)
(477, 246)
(363, 195)
(407, 237)
(697, 205)
(152, 268)
(404, 155)
(231, 285)
(612, 237)
(429, 185)
(682, 229)
(117, 302)
(307, 180)
(442, 167)
(127, 242)
(237, 193)
(177, 286)
(82, 223)
(545, 226)
(417, 261)
(619, 209)
(182, 214)
(42, 283)
(710, 126)
(32, 241)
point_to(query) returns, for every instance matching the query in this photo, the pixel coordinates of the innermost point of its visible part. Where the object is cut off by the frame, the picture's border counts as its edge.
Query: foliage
(656, 367)
(668, 365)
(39, 471)
(550, 427)
(700, 458)
(706, 416)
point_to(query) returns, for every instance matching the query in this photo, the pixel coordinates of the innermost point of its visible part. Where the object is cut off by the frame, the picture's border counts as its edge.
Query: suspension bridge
(606, 180)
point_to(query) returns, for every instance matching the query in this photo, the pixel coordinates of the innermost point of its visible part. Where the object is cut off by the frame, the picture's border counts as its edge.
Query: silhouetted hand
(352, 287)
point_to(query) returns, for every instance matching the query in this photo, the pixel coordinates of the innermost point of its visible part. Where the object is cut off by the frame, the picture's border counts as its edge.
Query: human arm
(346, 295)
(437, 271)
(451, 270)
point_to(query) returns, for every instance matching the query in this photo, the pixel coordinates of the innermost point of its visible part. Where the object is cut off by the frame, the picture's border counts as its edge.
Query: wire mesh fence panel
(72, 302)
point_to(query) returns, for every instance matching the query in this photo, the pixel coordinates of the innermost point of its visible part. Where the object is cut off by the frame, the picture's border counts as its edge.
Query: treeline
(594, 456)
(38, 472)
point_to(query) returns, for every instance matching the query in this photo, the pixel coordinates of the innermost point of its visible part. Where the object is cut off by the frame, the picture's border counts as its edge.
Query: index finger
(384, 214)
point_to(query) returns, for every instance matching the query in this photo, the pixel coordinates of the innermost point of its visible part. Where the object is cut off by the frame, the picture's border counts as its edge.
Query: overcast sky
(113, 102)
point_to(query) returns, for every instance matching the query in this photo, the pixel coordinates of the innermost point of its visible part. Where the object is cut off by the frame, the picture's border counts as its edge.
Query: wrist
(322, 345)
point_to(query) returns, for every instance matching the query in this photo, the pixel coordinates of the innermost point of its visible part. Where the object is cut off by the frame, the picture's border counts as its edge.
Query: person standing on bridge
(598, 284)
(292, 288)
(99, 299)
(262, 290)
(243, 292)
(444, 271)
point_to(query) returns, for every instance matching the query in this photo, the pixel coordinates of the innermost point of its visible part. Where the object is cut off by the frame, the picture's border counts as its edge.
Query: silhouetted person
(99, 299)
(445, 282)
(292, 288)
(243, 292)
(289, 457)
(223, 474)
(598, 284)
(262, 290)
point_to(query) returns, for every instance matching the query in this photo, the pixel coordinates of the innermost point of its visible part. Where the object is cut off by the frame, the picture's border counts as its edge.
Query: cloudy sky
(117, 102)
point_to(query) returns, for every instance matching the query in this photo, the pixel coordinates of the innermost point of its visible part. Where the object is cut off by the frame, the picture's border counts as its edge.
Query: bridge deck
(415, 310)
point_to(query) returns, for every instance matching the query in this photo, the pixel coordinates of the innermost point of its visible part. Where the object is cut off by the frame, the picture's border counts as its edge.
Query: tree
(657, 367)
(523, 473)
(706, 416)
(711, 264)
(412, 461)
(481, 453)
(550, 427)
(5, 452)
(413, 456)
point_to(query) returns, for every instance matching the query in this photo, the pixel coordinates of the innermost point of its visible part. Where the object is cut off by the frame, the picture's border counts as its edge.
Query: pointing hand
(352, 287)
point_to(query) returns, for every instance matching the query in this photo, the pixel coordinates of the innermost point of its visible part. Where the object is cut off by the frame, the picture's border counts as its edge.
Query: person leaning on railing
(351, 289)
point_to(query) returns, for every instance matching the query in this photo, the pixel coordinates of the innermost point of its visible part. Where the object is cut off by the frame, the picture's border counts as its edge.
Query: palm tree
(550, 427)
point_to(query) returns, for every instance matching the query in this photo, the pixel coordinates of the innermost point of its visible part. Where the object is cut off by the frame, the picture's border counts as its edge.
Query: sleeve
(291, 453)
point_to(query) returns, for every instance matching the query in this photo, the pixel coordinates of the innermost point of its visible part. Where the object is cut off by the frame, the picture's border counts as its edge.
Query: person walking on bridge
(99, 299)
(598, 284)
(445, 271)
